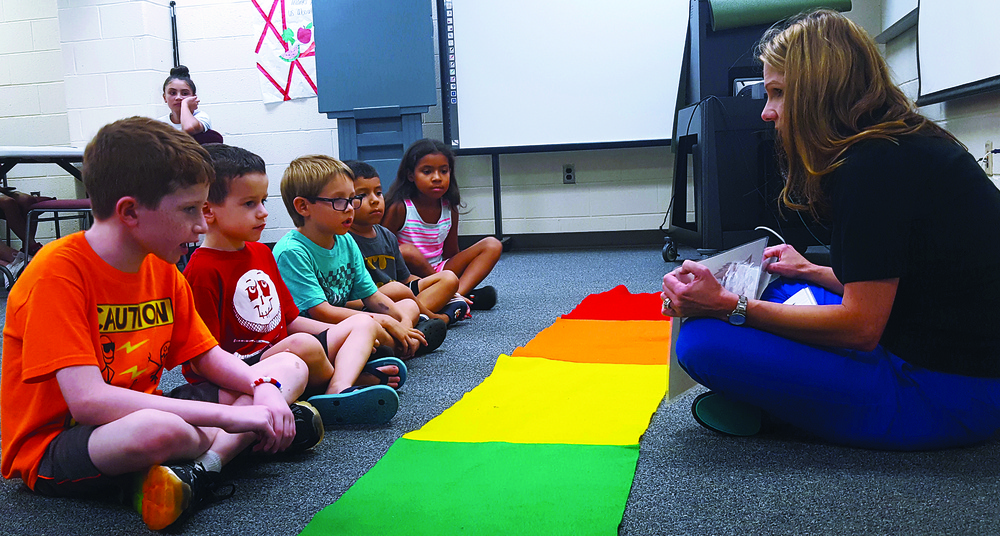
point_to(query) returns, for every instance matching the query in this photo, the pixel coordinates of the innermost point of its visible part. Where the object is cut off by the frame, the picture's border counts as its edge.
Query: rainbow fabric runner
(521, 453)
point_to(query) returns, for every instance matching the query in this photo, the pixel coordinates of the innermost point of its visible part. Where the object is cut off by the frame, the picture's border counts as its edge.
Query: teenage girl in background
(180, 95)
(422, 209)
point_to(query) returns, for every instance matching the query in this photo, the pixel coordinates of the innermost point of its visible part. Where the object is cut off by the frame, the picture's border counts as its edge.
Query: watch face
(737, 320)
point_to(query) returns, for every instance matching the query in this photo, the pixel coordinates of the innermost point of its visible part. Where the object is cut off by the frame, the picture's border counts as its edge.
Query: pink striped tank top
(427, 237)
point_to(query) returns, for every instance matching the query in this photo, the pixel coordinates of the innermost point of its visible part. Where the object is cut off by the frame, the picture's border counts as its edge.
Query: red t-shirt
(70, 308)
(241, 297)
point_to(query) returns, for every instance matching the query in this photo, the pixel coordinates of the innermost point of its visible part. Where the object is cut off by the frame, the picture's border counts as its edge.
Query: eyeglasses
(340, 203)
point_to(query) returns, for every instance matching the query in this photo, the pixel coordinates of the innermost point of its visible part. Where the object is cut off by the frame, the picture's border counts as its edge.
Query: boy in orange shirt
(82, 414)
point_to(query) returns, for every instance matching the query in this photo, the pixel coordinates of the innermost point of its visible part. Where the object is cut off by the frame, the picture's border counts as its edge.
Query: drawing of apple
(305, 34)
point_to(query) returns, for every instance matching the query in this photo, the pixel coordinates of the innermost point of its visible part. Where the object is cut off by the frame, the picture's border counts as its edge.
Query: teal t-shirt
(315, 274)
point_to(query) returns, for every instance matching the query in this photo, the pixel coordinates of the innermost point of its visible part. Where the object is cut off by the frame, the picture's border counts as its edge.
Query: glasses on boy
(340, 203)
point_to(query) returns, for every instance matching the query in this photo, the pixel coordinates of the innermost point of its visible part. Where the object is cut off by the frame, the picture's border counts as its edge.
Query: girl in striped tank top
(422, 209)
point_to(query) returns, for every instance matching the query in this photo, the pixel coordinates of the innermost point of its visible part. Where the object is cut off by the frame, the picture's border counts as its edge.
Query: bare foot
(7, 254)
(389, 370)
(27, 201)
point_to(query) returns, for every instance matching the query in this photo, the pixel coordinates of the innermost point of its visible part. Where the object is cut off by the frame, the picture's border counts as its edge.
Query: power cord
(994, 151)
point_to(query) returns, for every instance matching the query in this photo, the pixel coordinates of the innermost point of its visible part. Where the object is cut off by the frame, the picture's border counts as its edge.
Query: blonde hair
(838, 91)
(306, 177)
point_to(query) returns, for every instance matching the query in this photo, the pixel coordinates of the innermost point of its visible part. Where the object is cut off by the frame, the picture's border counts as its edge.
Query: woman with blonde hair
(902, 351)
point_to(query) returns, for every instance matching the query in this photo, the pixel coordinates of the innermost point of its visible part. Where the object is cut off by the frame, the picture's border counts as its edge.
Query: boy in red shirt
(246, 305)
(82, 414)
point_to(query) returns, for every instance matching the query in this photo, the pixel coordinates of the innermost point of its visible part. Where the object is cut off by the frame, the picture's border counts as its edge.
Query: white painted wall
(67, 67)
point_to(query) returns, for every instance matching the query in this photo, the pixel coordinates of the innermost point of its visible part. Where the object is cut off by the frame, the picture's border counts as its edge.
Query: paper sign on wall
(286, 50)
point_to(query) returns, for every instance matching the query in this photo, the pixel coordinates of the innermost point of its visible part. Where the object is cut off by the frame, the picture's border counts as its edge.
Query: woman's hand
(788, 262)
(791, 264)
(692, 290)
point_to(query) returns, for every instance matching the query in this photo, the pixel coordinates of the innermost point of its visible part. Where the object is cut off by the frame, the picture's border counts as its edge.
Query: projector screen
(518, 73)
(957, 46)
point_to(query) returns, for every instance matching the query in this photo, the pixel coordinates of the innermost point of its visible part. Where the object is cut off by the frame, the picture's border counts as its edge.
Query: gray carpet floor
(688, 480)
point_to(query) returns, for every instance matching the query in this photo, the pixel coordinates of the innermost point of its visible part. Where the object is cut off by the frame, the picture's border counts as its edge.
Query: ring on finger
(668, 303)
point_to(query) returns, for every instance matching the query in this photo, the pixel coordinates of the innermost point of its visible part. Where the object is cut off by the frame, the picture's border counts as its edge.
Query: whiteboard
(958, 49)
(521, 73)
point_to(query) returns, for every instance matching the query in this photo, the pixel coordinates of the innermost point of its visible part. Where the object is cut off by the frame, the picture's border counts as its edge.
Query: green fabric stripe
(436, 488)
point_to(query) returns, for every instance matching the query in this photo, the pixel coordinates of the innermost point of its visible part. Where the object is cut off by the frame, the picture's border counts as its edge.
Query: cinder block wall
(68, 67)
(32, 95)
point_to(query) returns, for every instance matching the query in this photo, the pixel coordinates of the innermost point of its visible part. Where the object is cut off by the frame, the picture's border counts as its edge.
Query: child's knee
(289, 369)
(363, 324)
(395, 288)
(165, 435)
(492, 246)
(409, 309)
(307, 348)
(447, 279)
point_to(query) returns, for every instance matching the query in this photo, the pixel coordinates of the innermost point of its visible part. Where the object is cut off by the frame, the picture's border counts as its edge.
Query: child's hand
(468, 312)
(405, 343)
(191, 103)
(269, 397)
(416, 334)
(253, 418)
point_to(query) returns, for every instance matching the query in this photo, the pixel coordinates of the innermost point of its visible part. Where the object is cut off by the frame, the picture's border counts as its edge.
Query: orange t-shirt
(71, 308)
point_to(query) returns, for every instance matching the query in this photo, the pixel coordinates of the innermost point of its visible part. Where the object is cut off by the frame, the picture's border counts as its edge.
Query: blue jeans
(861, 399)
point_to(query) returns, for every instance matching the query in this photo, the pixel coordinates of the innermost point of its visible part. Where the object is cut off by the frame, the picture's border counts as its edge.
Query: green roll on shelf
(736, 13)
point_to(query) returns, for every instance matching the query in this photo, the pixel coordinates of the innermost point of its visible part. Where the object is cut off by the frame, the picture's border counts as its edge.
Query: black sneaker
(170, 491)
(308, 427)
(483, 298)
(434, 331)
(382, 350)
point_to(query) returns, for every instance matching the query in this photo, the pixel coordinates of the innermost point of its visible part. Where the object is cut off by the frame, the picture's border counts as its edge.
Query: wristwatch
(739, 315)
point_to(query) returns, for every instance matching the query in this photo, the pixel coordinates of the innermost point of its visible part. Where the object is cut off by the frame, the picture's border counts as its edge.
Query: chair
(80, 209)
(209, 136)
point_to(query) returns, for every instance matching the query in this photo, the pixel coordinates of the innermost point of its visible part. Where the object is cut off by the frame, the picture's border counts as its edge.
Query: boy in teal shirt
(322, 266)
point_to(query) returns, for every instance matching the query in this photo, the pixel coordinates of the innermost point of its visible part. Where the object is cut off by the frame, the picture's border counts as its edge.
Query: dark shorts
(67, 470)
(321, 337)
(415, 286)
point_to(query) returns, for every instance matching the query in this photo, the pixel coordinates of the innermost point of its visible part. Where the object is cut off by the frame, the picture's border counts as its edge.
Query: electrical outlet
(569, 174)
(989, 158)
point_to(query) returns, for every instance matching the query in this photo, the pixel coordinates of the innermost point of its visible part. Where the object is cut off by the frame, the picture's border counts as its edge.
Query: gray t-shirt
(382, 257)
